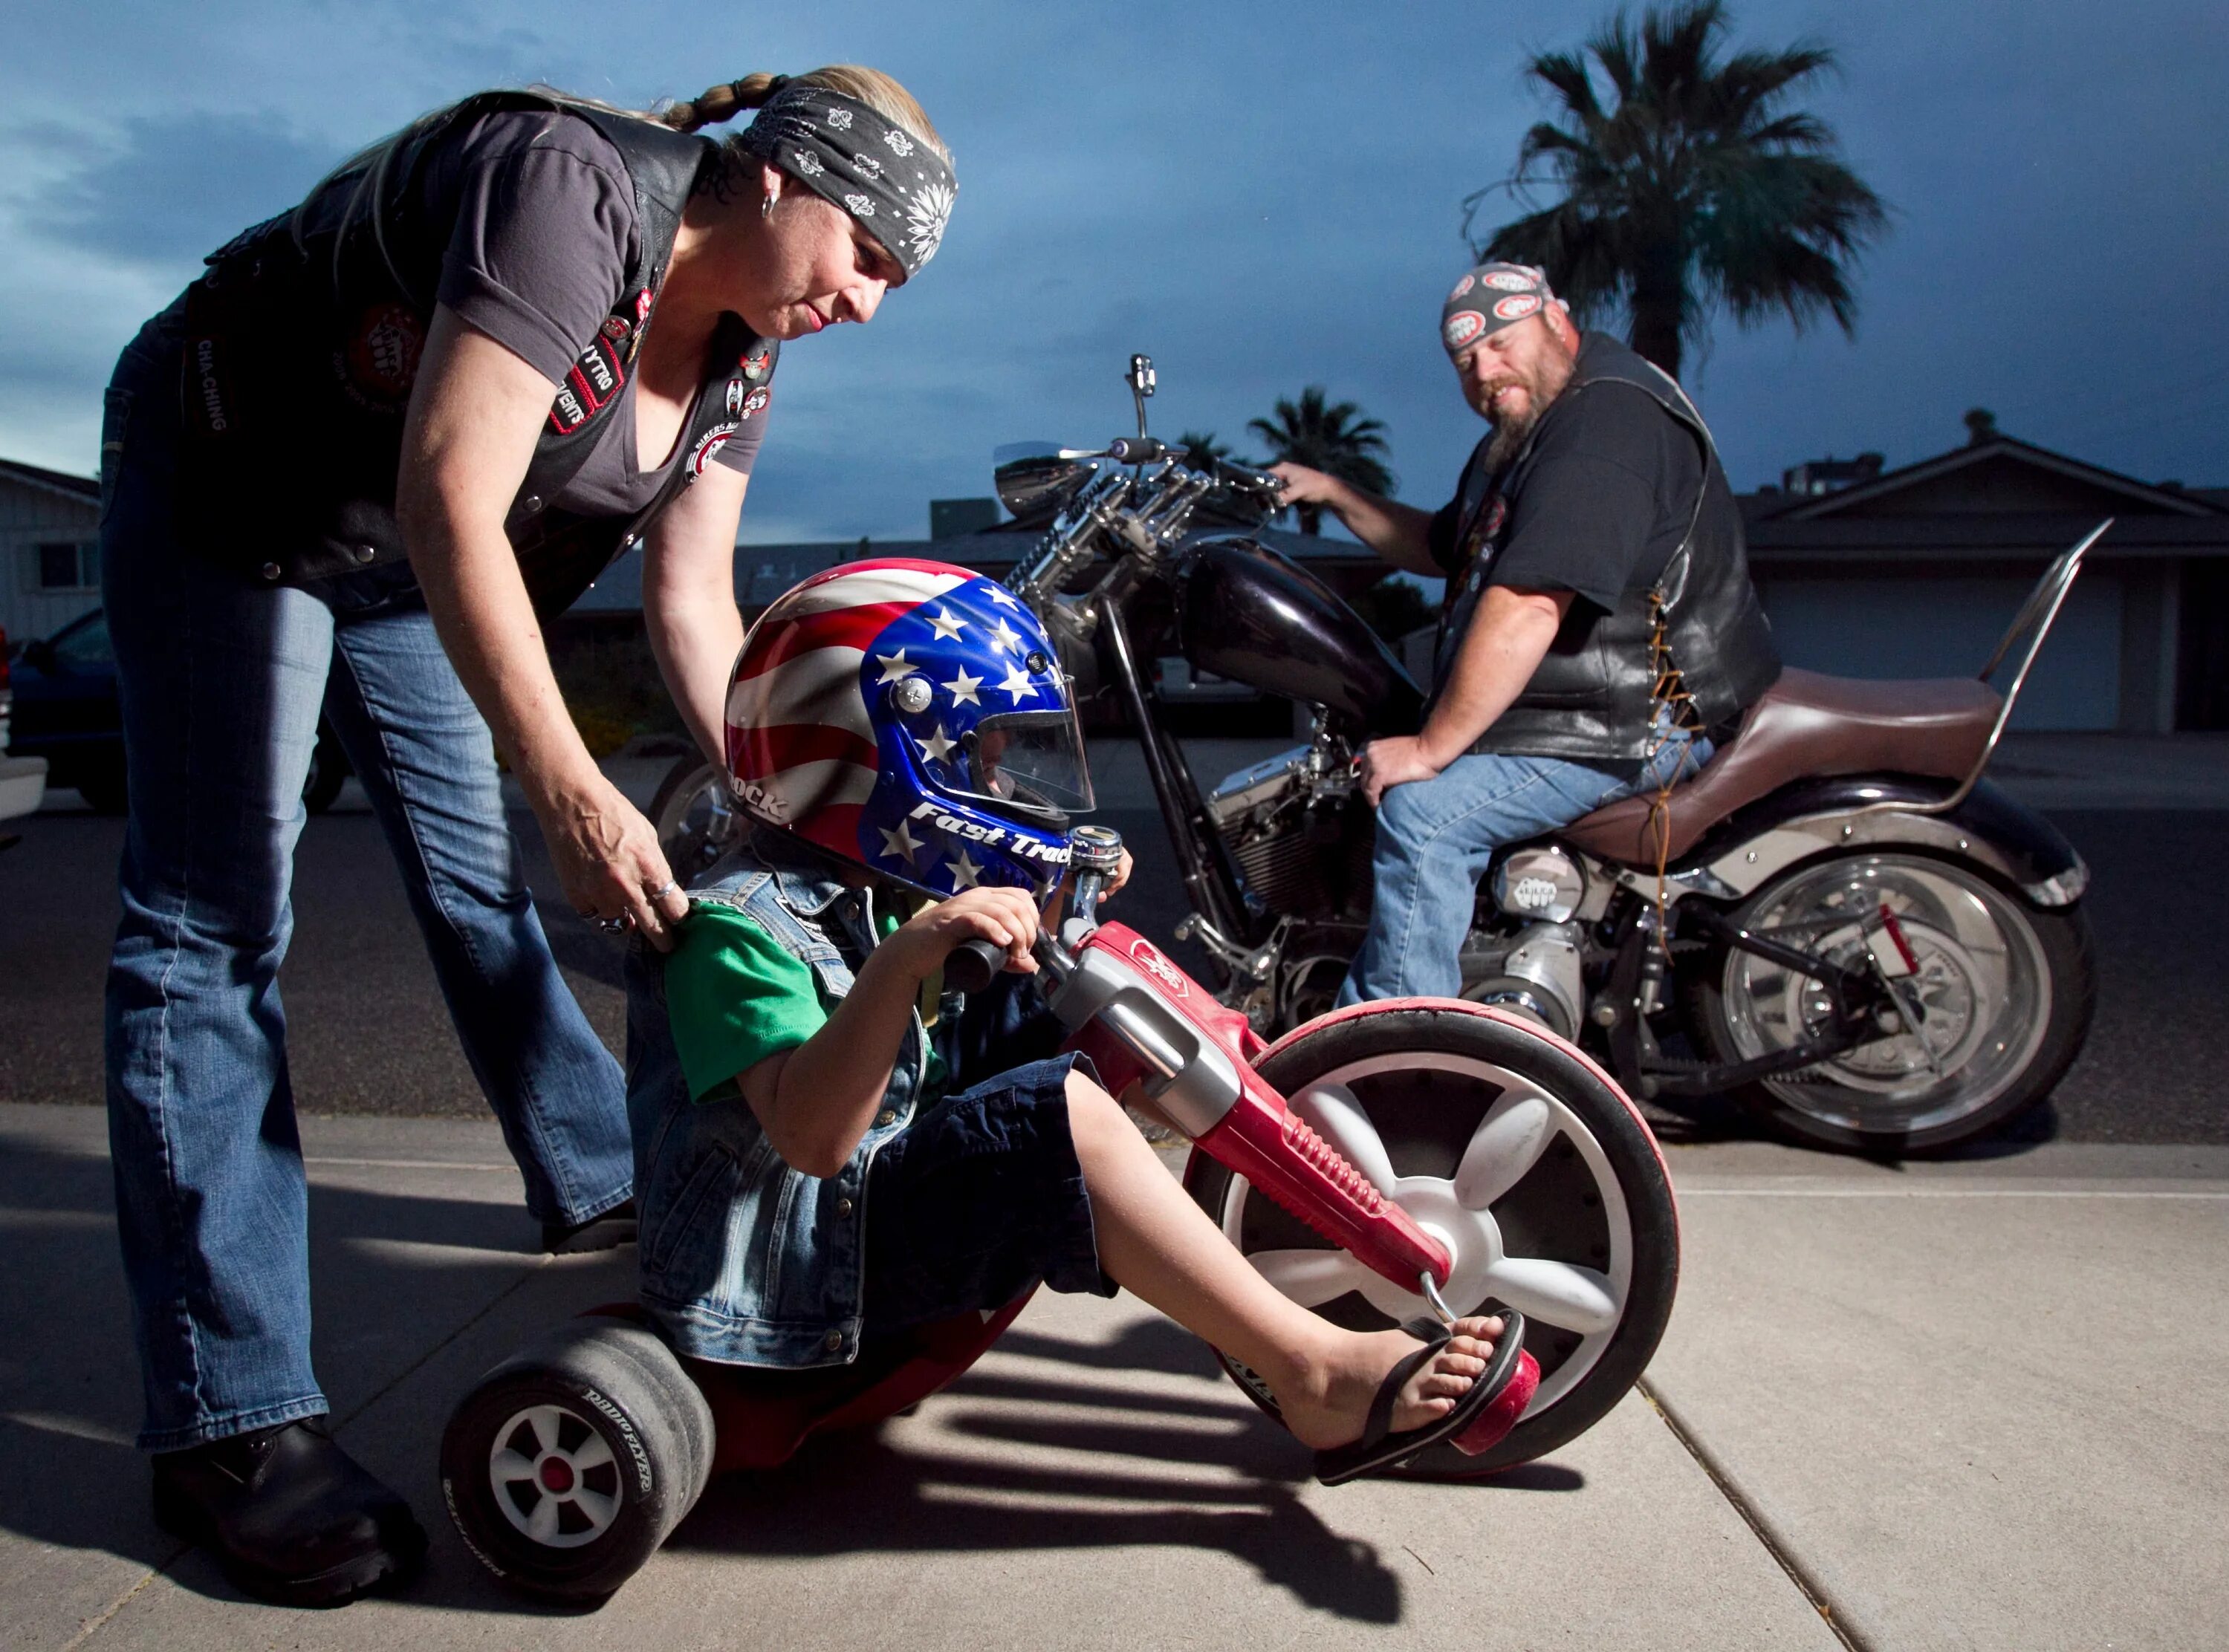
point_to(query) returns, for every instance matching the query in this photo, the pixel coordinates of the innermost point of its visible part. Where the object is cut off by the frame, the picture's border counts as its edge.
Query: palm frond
(1693, 187)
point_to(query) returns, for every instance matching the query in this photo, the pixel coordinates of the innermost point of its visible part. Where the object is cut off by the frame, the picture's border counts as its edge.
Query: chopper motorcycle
(1839, 922)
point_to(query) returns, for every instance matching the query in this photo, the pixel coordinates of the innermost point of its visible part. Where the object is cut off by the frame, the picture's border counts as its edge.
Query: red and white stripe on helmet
(801, 745)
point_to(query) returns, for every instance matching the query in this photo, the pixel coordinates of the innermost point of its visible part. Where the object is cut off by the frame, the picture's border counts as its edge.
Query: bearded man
(1599, 627)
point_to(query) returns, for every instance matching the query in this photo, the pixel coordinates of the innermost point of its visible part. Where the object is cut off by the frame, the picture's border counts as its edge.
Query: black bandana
(884, 175)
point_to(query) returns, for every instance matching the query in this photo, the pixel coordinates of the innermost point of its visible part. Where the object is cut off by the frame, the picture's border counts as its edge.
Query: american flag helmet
(910, 717)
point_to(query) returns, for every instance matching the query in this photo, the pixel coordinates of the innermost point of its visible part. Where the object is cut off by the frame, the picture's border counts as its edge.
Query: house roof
(77, 487)
(1978, 470)
(1995, 501)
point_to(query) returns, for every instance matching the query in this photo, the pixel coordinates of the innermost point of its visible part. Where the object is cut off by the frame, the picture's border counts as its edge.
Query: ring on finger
(664, 889)
(617, 925)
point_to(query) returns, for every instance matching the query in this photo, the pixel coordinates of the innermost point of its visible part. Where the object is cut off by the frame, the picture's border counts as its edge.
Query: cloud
(1262, 198)
(168, 189)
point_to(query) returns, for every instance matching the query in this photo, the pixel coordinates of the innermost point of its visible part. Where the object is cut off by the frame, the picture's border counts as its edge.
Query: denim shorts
(978, 1198)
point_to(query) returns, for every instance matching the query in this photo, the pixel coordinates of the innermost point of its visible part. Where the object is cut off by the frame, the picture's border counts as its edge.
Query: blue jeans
(1435, 838)
(221, 683)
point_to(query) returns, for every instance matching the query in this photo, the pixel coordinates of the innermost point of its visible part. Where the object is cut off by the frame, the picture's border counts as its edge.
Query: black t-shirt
(1600, 505)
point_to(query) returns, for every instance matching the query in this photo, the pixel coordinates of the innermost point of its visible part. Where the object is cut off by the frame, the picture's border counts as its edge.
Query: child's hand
(1005, 917)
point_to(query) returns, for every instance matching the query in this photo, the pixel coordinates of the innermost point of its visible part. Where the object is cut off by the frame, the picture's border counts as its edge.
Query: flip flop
(1380, 1448)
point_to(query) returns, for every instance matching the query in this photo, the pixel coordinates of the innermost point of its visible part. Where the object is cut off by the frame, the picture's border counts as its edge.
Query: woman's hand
(1005, 917)
(609, 862)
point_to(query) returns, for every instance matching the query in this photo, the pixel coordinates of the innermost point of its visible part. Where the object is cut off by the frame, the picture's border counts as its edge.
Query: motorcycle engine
(1299, 843)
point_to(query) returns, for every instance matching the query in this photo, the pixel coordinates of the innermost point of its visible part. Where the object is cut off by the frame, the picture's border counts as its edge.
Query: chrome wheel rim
(697, 822)
(1480, 1192)
(1983, 986)
(555, 1477)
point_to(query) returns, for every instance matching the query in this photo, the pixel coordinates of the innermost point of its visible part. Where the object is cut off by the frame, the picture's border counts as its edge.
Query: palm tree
(1696, 187)
(1333, 439)
(1199, 449)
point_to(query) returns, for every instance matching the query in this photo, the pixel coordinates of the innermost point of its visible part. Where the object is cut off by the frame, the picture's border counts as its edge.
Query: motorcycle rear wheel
(2009, 989)
(1510, 1146)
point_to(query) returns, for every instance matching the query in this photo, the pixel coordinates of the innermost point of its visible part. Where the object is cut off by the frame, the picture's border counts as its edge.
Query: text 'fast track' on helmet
(911, 718)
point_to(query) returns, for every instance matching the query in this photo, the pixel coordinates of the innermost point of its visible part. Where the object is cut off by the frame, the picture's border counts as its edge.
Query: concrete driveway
(1982, 1405)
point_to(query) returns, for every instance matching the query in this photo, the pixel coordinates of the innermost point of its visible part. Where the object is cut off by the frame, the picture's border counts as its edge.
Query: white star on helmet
(944, 625)
(1007, 636)
(938, 748)
(965, 872)
(895, 667)
(900, 844)
(962, 689)
(1019, 685)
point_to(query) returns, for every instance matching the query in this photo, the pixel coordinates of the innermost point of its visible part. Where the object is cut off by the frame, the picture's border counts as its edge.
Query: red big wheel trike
(1419, 1156)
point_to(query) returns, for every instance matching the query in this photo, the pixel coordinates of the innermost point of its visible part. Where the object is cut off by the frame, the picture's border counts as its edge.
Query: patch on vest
(1488, 527)
(711, 442)
(594, 382)
(743, 402)
(757, 365)
(382, 357)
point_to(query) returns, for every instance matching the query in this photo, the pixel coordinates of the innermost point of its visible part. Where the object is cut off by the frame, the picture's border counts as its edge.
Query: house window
(66, 565)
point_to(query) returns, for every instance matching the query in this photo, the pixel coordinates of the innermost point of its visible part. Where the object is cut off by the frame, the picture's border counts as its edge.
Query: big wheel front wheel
(1520, 1156)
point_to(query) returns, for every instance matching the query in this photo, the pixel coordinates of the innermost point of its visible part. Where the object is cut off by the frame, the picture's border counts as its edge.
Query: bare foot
(1329, 1407)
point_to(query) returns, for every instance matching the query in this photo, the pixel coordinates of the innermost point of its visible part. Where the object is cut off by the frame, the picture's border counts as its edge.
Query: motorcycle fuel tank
(1255, 617)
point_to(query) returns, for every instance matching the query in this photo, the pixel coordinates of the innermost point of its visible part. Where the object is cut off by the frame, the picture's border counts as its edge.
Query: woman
(356, 464)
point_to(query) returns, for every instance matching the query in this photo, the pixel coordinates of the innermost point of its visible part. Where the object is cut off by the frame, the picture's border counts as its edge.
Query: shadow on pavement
(933, 1502)
(394, 1274)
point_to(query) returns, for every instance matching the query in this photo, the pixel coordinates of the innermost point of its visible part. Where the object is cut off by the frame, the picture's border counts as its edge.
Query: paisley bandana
(1490, 297)
(885, 177)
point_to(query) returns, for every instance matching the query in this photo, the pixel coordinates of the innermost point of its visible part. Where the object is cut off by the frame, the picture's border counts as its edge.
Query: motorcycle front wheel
(694, 819)
(1517, 1152)
(2005, 992)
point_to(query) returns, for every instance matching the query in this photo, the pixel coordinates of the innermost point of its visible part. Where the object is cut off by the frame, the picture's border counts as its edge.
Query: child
(811, 1175)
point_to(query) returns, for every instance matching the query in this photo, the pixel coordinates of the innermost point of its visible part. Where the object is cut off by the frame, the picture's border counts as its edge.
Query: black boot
(615, 1228)
(289, 1516)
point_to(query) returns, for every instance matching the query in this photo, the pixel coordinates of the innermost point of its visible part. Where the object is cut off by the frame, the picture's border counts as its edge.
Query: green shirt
(734, 997)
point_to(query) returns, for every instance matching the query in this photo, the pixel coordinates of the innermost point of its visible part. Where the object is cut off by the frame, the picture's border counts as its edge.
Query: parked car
(67, 713)
(22, 779)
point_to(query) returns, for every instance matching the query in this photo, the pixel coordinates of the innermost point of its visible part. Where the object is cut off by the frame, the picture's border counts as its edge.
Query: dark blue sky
(1261, 196)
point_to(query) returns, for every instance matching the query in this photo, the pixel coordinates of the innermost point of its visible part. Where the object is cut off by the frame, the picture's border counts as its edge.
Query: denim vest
(744, 1260)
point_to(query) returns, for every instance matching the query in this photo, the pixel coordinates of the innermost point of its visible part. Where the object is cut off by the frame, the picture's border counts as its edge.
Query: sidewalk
(1978, 1405)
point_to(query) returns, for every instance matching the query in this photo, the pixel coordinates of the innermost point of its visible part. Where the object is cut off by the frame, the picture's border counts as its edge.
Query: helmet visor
(1029, 763)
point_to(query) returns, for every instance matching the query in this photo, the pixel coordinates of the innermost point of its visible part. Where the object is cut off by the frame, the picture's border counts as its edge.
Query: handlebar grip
(972, 966)
(1136, 450)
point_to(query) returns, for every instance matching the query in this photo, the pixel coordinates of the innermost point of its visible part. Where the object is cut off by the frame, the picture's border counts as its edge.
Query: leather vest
(1594, 696)
(301, 353)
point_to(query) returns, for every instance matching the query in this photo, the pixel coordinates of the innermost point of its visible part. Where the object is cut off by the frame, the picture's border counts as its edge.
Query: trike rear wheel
(569, 1465)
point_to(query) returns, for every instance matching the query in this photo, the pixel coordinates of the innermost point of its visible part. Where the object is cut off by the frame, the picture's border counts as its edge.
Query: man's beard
(1511, 432)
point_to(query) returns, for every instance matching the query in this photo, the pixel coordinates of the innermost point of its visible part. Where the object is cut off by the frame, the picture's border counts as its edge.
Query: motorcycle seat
(1806, 726)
